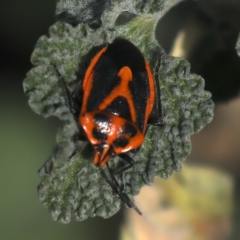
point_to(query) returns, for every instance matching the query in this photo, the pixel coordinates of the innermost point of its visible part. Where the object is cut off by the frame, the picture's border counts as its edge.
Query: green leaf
(76, 188)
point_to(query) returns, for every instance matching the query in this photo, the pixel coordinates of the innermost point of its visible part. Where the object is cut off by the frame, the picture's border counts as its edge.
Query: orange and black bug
(113, 105)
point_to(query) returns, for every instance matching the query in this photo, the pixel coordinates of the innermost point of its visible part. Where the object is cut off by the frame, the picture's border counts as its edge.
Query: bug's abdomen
(119, 81)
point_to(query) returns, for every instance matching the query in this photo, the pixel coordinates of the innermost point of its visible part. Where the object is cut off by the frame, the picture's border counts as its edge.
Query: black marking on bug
(120, 107)
(100, 118)
(129, 129)
(120, 142)
(98, 134)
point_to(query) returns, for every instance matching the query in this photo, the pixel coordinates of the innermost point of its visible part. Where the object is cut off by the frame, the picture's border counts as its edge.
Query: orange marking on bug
(122, 90)
(88, 124)
(96, 158)
(134, 142)
(105, 151)
(88, 79)
(100, 158)
(151, 98)
(114, 131)
(117, 124)
(106, 156)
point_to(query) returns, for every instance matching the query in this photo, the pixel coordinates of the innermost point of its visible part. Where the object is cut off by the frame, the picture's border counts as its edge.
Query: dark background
(27, 139)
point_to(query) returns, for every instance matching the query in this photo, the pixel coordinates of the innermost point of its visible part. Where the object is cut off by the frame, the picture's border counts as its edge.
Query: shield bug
(113, 106)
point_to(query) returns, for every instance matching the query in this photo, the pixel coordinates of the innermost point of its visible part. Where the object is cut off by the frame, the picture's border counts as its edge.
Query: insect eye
(120, 142)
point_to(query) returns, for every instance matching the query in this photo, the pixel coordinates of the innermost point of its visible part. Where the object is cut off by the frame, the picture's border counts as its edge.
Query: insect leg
(130, 164)
(75, 152)
(120, 192)
(67, 92)
(120, 171)
(158, 120)
(72, 101)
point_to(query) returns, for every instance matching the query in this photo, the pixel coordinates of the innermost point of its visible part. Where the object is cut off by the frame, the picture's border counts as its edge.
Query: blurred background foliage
(196, 204)
(204, 32)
